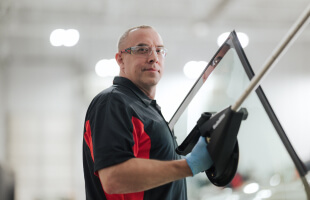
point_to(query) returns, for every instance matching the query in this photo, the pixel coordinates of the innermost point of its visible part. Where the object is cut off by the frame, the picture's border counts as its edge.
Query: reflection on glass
(215, 61)
(265, 169)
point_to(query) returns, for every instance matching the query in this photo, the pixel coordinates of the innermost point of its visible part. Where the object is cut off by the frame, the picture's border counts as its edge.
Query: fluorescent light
(251, 188)
(71, 38)
(107, 67)
(264, 194)
(193, 69)
(56, 37)
(243, 38)
(61, 37)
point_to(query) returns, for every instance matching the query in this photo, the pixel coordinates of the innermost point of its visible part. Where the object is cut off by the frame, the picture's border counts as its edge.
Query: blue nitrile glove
(199, 159)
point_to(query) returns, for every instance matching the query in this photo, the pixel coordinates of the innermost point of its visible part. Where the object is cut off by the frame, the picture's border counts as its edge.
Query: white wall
(45, 130)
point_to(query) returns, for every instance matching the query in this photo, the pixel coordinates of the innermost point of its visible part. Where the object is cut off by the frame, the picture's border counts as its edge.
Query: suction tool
(220, 130)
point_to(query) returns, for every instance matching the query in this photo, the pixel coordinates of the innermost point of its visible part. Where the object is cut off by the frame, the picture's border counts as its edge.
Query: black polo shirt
(123, 123)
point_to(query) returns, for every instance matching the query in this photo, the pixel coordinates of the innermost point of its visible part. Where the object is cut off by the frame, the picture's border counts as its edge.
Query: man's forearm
(137, 175)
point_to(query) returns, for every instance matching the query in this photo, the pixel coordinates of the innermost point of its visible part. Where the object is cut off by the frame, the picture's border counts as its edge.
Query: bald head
(123, 38)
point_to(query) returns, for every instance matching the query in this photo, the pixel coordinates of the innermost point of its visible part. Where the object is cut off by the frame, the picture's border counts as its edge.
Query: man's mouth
(151, 69)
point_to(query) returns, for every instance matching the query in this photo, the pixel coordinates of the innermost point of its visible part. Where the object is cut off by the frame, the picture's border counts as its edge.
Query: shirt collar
(118, 80)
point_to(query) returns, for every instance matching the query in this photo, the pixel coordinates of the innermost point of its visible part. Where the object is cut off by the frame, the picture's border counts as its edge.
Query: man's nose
(153, 57)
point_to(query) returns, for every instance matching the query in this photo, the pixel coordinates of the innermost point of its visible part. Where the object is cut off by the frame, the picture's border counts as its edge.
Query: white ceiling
(189, 28)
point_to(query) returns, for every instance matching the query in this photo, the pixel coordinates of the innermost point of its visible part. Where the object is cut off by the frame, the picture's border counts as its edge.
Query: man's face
(145, 71)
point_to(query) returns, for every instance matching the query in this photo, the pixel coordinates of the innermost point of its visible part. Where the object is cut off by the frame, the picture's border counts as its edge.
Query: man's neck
(150, 92)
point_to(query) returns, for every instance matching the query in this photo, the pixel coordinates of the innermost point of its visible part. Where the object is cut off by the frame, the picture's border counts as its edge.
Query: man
(128, 149)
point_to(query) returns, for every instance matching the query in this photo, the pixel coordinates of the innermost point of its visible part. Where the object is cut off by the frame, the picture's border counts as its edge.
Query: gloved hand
(199, 159)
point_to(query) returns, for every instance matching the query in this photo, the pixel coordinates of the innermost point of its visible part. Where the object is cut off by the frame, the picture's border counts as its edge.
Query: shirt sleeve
(111, 132)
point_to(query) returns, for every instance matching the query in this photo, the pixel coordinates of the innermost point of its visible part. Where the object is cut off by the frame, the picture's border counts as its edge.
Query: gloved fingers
(199, 159)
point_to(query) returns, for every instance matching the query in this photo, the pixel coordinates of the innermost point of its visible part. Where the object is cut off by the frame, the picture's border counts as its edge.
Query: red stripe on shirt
(130, 196)
(88, 139)
(142, 146)
(141, 149)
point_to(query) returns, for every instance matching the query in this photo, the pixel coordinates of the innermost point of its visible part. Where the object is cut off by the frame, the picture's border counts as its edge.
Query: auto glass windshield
(266, 169)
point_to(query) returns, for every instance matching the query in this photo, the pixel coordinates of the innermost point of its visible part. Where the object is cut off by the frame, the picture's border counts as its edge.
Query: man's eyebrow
(143, 44)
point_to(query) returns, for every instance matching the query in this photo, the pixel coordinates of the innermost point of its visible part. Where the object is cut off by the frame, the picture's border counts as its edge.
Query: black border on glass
(233, 42)
(272, 116)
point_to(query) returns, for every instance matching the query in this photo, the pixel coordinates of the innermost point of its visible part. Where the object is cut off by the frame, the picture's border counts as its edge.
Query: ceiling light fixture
(61, 37)
(193, 69)
(251, 188)
(107, 67)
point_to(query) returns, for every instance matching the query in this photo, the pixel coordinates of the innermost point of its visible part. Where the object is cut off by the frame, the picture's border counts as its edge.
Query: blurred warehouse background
(46, 85)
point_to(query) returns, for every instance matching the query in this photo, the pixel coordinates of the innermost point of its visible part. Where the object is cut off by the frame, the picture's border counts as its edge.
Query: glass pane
(265, 169)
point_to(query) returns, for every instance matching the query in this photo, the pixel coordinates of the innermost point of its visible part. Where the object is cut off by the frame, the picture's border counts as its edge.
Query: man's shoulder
(114, 92)
(113, 95)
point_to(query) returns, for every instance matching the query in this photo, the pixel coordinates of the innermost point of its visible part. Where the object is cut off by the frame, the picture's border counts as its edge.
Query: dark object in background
(7, 183)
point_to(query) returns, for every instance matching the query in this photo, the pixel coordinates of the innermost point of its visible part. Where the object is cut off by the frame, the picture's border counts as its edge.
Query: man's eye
(142, 50)
(159, 50)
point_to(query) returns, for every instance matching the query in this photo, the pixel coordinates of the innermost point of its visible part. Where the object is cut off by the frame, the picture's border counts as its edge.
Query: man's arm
(135, 175)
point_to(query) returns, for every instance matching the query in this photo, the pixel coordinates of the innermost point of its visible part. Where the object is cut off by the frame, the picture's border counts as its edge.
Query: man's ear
(119, 60)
